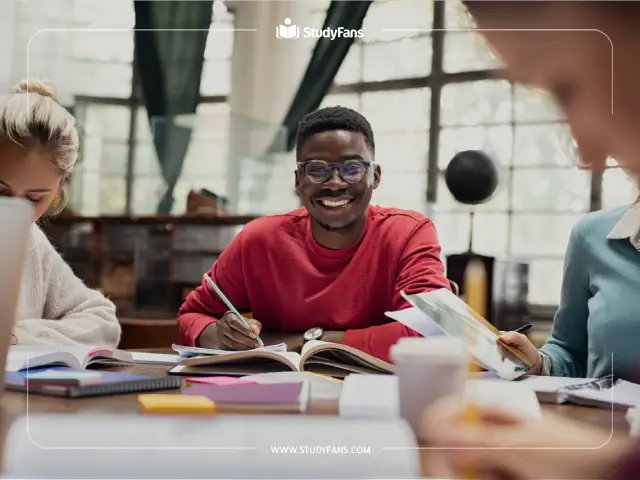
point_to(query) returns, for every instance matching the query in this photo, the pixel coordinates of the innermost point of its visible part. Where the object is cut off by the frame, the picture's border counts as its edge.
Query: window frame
(436, 81)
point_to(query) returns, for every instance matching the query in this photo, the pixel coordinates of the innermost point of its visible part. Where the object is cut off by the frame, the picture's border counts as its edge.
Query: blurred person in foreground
(38, 150)
(603, 111)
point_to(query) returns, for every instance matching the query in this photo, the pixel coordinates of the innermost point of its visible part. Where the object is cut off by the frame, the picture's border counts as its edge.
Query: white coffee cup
(428, 370)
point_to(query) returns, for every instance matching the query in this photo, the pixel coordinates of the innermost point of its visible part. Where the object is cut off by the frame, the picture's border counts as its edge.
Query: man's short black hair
(334, 118)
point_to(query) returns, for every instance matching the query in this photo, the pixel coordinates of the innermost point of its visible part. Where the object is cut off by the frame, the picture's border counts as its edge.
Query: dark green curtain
(323, 67)
(168, 63)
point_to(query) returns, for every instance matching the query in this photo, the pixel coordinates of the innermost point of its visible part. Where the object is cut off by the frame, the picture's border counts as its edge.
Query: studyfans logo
(288, 31)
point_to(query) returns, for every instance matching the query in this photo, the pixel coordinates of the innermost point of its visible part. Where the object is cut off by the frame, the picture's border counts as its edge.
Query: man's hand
(230, 333)
(14, 340)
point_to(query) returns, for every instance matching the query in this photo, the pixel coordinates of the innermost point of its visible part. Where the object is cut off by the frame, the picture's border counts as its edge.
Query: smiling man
(327, 271)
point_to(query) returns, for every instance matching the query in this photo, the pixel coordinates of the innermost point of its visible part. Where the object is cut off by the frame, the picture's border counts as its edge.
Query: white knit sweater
(56, 307)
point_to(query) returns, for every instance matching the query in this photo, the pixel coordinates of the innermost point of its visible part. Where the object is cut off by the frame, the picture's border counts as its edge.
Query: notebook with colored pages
(332, 359)
(75, 357)
(110, 383)
(273, 397)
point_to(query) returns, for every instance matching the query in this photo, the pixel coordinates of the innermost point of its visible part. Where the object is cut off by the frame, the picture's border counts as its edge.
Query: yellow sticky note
(159, 403)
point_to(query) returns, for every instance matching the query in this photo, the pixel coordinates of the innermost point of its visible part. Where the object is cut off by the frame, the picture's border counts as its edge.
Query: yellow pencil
(475, 288)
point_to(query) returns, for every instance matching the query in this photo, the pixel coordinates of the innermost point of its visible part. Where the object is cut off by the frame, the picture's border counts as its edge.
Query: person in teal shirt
(597, 325)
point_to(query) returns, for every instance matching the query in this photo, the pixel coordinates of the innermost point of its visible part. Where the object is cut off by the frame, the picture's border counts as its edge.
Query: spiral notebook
(110, 383)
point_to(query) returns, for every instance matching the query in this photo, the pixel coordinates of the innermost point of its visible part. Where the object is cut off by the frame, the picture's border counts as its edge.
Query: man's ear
(377, 174)
(296, 180)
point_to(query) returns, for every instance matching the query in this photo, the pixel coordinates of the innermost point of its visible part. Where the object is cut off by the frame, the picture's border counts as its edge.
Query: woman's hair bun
(41, 87)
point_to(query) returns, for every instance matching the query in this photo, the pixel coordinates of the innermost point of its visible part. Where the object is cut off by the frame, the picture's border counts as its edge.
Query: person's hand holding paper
(524, 345)
(454, 318)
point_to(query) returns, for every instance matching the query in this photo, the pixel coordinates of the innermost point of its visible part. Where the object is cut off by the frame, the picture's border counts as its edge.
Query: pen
(524, 328)
(230, 305)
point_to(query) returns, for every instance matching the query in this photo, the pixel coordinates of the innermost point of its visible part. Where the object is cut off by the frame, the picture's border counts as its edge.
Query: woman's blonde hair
(33, 117)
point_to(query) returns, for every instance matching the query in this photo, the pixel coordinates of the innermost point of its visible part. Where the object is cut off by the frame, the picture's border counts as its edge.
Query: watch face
(313, 333)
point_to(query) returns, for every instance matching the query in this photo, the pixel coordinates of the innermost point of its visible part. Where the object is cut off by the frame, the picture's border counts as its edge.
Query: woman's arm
(567, 347)
(73, 313)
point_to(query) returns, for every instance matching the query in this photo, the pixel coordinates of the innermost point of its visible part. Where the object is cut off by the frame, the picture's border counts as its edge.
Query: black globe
(471, 177)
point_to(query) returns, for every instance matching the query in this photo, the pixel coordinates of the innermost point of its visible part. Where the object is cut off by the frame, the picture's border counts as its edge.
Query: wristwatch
(313, 334)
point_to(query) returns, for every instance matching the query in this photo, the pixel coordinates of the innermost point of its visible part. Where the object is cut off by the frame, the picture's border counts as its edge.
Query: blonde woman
(38, 150)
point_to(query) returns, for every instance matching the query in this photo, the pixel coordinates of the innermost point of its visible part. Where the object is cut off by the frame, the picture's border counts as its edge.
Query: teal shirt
(599, 311)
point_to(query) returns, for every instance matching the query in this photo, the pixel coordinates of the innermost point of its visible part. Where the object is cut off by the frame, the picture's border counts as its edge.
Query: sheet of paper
(514, 397)
(197, 351)
(156, 358)
(449, 312)
(370, 396)
(416, 320)
(234, 446)
(376, 396)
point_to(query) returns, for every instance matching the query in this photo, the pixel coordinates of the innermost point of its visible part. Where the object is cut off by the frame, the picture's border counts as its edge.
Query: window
(205, 164)
(216, 71)
(102, 166)
(396, 43)
(103, 48)
(542, 192)
(618, 188)
(105, 104)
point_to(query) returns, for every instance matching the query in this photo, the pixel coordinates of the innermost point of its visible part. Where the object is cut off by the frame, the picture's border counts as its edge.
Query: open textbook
(185, 351)
(75, 357)
(333, 359)
(441, 312)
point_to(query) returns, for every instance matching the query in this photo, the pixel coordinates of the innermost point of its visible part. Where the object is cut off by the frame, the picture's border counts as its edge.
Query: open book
(442, 312)
(333, 359)
(75, 357)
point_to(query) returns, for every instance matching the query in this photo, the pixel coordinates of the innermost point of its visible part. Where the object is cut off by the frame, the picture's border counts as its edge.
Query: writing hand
(230, 333)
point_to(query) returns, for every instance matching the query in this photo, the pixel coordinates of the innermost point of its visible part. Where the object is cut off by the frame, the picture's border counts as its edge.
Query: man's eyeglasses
(319, 171)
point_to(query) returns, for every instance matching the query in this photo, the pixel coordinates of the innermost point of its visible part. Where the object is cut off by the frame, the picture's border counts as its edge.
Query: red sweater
(275, 269)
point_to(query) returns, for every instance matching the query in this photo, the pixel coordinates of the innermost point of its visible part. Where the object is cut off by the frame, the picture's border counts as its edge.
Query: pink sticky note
(221, 381)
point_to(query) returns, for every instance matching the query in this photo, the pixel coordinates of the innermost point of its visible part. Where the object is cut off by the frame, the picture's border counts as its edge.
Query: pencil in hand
(230, 306)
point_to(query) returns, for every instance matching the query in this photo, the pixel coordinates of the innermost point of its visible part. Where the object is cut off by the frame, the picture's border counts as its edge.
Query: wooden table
(14, 404)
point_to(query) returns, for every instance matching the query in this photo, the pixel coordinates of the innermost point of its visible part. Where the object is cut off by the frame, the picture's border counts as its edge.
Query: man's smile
(334, 203)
